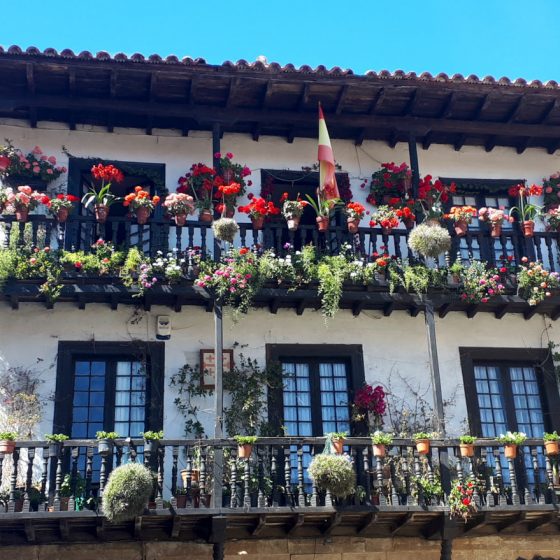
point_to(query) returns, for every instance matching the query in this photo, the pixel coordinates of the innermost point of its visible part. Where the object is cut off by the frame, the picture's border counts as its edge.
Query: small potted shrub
(334, 473)
(7, 442)
(466, 446)
(55, 443)
(292, 210)
(151, 440)
(526, 211)
(354, 213)
(461, 500)
(422, 440)
(179, 206)
(245, 446)
(337, 441)
(495, 218)
(380, 442)
(106, 441)
(551, 443)
(127, 492)
(258, 209)
(141, 203)
(511, 440)
(386, 217)
(181, 497)
(322, 208)
(462, 217)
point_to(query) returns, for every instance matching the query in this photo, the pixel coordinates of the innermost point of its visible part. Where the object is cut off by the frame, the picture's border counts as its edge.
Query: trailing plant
(429, 240)
(535, 283)
(461, 500)
(127, 492)
(245, 440)
(334, 473)
(337, 435)
(225, 229)
(432, 490)
(416, 278)
(480, 283)
(331, 273)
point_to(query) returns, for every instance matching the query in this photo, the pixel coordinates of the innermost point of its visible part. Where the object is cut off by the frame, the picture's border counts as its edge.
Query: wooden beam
(392, 142)
(515, 110)
(149, 125)
(358, 306)
(185, 129)
(176, 526)
(64, 529)
(555, 313)
(523, 145)
(152, 90)
(459, 142)
(260, 526)
(378, 96)
(544, 521)
(485, 102)
(114, 302)
(532, 311)
(177, 304)
(472, 310)
(554, 105)
(14, 301)
(33, 117)
(100, 528)
(138, 527)
(267, 94)
(361, 137)
(231, 91)
(368, 523)
(113, 84)
(303, 98)
(332, 523)
(256, 132)
(411, 103)
(388, 308)
(300, 308)
(553, 146)
(511, 525)
(414, 310)
(447, 108)
(403, 522)
(501, 311)
(444, 310)
(30, 77)
(296, 523)
(427, 141)
(72, 81)
(81, 301)
(341, 99)
(29, 530)
(490, 143)
(291, 135)
(273, 305)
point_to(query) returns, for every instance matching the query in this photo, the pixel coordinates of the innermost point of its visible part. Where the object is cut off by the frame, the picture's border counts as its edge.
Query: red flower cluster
(355, 210)
(434, 190)
(70, 198)
(259, 207)
(371, 399)
(405, 213)
(107, 173)
(524, 190)
(229, 190)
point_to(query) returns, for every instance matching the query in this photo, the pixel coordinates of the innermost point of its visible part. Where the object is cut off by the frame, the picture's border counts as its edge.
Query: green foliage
(551, 436)
(127, 492)
(416, 278)
(334, 473)
(152, 436)
(56, 438)
(515, 438)
(429, 240)
(107, 435)
(422, 435)
(432, 491)
(245, 440)
(8, 436)
(337, 435)
(381, 438)
(466, 439)
(331, 273)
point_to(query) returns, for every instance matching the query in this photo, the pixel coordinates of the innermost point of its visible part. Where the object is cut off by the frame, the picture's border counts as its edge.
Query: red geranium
(259, 207)
(107, 173)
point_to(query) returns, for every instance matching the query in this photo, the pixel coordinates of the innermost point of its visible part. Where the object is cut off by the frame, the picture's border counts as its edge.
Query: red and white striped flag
(327, 179)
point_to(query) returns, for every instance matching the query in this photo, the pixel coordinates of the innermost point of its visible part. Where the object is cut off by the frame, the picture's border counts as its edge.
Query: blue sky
(514, 38)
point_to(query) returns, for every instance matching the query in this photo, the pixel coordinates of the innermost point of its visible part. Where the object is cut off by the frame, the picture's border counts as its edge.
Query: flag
(327, 180)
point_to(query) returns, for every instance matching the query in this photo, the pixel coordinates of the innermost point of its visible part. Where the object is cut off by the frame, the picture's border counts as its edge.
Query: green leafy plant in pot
(106, 441)
(151, 440)
(7, 442)
(333, 473)
(55, 443)
(245, 446)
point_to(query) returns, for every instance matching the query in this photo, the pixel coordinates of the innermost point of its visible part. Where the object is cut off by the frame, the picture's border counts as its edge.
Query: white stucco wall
(395, 344)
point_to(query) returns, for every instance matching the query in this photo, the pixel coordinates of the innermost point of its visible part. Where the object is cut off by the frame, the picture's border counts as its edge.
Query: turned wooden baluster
(202, 477)
(246, 483)
(174, 473)
(406, 475)
(89, 469)
(418, 474)
(274, 476)
(188, 479)
(367, 474)
(261, 501)
(45, 471)
(73, 478)
(550, 477)
(8, 230)
(301, 488)
(58, 481)
(538, 495)
(29, 479)
(233, 502)
(13, 481)
(103, 474)
(119, 453)
(515, 499)
(395, 499)
(314, 499)
(488, 496)
(132, 451)
(288, 476)
(160, 455)
(502, 499)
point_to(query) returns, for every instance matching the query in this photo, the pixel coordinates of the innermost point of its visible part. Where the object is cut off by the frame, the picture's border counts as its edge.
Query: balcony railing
(208, 475)
(80, 232)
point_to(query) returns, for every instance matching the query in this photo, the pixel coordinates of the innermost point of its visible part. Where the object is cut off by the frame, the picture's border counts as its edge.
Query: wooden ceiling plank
(459, 142)
(553, 106)
(341, 99)
(304, 97)
(516, 109)
(30, 77)
(523, 145)
(447, 109)
(484, 103)
(113, 84)
(411, 103)
(154, 76)
(427, 141)
(267, 94)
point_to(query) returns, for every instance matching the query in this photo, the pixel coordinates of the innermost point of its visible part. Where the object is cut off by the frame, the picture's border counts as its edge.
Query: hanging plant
(334, 473)
(429, 240)
(225, 229)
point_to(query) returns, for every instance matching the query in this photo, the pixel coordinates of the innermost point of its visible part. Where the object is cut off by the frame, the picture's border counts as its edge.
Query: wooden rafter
(30, 77)
(516, 109)
(447, 108)
(411, 103)
(341, 99)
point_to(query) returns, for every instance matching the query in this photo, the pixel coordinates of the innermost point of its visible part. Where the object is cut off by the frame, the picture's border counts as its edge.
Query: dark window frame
(540, 359)
(352, 354)
(151, 352)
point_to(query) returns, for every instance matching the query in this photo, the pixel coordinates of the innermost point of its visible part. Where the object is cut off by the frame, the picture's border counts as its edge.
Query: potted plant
(199, 183)
(141, 203)
(103, 198)
(229, 193)
(231, 182)
(551, 443)
(151, 440)
(370, 402)
(181, 497)
(258, 209)
(245, 446)
(406, 215)
(390, 185)
(462, 217)
(495, 217)
(380, 442)
(225, 229)
(106, 442)
(23, 201)
(179, 206)
(323, 208)
(61, 205)
(55, 443)
(422, 440)
(466, 445)
(429, 240)
(354, 213)
(386, 217)
(336, 440)
(196, 462)
(334, 473)
(461, 500)
(526, 212)
(292, 210)
(432, 195)
(552, 219)
(535, 283)
(511, 440)
(7, 442)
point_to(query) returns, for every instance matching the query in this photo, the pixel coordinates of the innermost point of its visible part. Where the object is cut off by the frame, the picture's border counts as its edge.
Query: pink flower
(217, 155)
(52, 160)
(548, 190)
(4, 163)
(25, 189)
(229, 155)
(43, 158)
(27, 166)
(36, 150)
(49, 171)
(484, 300)
(246, 171)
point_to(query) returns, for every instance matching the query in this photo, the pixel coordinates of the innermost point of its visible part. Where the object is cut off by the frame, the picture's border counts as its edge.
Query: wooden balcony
(80, 232)
(204, 491)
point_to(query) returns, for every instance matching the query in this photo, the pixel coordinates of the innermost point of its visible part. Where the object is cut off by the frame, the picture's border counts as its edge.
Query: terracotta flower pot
(22, 214)
(423, 446)
(528, 228)
(510, 450)
(195, 476)
(227, 175)
(338, 446)
(293, 223)
(386, 231)
(467, 449)
(379, 450)
(180, 219)
(461, 228)
(142, 215)
(322, 223)
(408, 223)
(101, 213)
(258, 222)
(181, 501)
(7, 446)
(62, 215)
(229, 213)
(244, 451)
(496, 230)
(205, 216)
(353, 225)
(551, 447)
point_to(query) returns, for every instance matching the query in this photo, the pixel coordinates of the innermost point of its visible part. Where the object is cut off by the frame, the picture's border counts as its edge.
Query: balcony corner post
(218, 403)
(413, 156)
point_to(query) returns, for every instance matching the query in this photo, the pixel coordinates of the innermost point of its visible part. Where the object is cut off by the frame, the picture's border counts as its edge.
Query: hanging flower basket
(333, 473)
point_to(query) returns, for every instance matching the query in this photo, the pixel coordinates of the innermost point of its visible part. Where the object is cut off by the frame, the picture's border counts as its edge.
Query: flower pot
(353, 225)
(322, 223)
(510, 450)
(64, 503)
(54, 449)
(181, 501)
(258, 223)
(180, 219)
(551, 447)
(101, 213)
(244, 451)
(227, 176)
(293, 223)
(496, 230)
(7, 446)
(466, 449)
(62, 215)
(205, 216)
(22, 214)
(229, 213)
(408, 223)
(151, 446)
(105, 446)
(386, 231)
(142, 215)
(195, 475)
(379, 450)
(528, 228)
(423, 446)
(338, 446)
(461, 228)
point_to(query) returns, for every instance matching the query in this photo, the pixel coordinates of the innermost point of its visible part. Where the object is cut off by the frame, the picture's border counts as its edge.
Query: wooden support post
(219, 403)
(413, 155)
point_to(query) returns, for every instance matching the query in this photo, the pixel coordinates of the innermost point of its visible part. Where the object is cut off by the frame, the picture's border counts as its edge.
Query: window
(510, 389)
